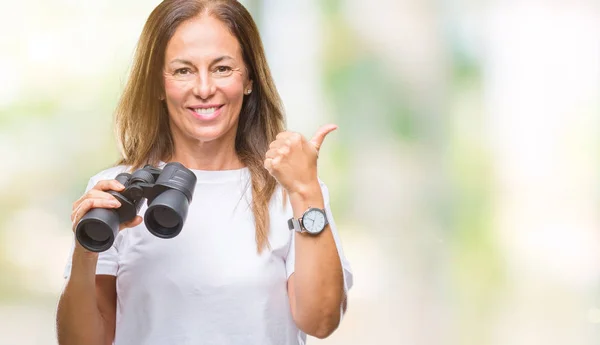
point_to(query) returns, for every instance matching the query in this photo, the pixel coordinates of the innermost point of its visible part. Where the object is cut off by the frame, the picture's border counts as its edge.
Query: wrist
(305, 197)
(83, 265)
(80, 253)
(306, 193)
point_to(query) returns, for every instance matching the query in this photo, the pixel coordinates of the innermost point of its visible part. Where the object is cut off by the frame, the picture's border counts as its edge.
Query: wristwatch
(313, 221)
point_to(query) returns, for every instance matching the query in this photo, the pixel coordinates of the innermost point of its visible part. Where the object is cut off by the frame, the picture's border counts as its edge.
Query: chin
(208, 134)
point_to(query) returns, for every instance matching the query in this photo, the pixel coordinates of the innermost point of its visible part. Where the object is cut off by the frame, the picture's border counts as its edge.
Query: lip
(206, 117)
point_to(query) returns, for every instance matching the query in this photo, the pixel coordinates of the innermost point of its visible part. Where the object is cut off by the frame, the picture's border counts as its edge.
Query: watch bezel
(297, 225)
(313, 209)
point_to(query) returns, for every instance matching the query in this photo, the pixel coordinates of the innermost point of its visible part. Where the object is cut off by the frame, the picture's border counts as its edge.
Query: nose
(204, 86)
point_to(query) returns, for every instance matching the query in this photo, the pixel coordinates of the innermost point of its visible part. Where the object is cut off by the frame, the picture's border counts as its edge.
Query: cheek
(232, 87)
(175, 90)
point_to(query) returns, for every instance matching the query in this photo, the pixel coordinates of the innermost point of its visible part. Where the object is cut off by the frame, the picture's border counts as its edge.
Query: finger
(271, 153)
(268, 166)
(281, 142)
(294, 139)
(105, 185)
(93, 194)
(275, 163)
(88, 204)
(271, 164)
(317, 139)
(132, 223)
(283, 151)
(283, 135)
(274, 144)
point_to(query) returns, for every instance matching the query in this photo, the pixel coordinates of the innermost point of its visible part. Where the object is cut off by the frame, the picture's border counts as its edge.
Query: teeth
(205, 110)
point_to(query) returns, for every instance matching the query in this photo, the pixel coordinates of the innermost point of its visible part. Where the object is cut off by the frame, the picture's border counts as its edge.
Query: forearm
(79, 321)
(318, 271)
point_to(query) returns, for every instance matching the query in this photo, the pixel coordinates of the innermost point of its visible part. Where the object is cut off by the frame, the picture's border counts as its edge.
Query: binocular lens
(166, 215)
(97, 229)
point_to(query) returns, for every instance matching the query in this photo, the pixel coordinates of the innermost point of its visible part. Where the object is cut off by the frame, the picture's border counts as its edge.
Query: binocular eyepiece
(168, 192)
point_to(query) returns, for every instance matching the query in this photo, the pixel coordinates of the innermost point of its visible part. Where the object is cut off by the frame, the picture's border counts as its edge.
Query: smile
(206, 113)
(203, 111)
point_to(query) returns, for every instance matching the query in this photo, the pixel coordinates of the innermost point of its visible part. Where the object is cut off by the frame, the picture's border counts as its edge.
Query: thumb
(132, 223)
(317, 139)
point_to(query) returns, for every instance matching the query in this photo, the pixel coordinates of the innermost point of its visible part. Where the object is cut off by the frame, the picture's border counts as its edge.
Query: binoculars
(168, 192)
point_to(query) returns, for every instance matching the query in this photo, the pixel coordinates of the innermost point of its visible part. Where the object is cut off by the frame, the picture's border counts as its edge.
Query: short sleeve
(346, 269)
(107, 260)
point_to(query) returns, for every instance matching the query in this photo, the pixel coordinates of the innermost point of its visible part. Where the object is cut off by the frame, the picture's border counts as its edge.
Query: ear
(248, 87)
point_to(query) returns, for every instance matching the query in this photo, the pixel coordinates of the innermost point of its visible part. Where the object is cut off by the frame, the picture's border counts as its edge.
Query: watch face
(314, 221)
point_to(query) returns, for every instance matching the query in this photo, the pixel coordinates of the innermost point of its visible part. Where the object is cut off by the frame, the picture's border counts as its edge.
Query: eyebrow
(217, 60)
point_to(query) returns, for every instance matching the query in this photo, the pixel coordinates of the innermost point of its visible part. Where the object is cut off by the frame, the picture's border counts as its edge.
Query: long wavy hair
(142, 120)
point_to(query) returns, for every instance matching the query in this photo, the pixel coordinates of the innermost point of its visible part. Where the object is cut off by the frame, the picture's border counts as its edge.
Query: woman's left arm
(316, 288)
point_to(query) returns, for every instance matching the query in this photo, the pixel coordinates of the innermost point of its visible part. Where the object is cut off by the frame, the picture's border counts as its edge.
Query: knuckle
(283, 150)
(296, 138)
(103, 185)
(100, 184)
(116, 185)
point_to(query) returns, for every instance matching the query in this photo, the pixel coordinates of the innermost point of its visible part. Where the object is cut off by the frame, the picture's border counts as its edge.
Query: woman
(200, 93)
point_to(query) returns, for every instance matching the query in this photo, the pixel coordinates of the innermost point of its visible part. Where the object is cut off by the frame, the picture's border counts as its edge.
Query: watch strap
(294, 224)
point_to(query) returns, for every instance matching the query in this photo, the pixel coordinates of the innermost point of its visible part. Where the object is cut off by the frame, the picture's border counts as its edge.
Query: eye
(182, 71)
(223, 69)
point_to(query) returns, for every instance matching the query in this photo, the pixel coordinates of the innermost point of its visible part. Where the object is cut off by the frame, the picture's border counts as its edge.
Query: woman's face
(205, 79)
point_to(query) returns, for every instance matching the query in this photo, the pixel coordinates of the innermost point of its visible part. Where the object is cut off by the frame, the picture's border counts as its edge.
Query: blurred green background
(463, 176)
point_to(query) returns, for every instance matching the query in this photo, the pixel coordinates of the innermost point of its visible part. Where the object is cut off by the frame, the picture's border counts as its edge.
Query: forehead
(202, 37)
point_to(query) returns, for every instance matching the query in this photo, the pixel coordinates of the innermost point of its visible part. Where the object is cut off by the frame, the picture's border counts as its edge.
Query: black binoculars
(168, 192)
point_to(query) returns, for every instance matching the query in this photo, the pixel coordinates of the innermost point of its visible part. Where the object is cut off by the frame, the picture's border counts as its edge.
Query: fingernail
(115, 203)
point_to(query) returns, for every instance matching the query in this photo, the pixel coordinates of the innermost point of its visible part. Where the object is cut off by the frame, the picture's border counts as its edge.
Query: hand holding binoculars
(168, 192)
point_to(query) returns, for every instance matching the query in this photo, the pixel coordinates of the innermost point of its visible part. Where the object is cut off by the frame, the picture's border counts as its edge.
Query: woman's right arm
(86, 313)
(87, 307)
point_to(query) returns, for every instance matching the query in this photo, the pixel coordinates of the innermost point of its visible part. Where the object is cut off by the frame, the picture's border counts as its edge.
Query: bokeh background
(464, 175)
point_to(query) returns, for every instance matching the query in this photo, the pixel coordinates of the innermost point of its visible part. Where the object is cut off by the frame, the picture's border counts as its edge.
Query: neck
(217, 154)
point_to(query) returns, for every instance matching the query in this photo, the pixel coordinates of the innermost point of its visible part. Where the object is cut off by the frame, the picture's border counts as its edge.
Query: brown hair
(142, 120)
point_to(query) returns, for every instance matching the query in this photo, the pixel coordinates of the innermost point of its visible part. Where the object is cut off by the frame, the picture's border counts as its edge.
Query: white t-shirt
(208, 285)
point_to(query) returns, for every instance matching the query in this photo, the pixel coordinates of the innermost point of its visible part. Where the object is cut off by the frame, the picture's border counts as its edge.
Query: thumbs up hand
(292, 160)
